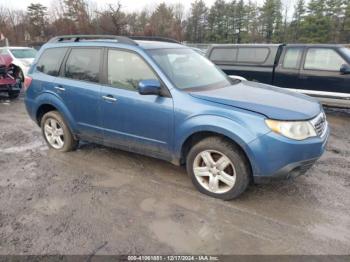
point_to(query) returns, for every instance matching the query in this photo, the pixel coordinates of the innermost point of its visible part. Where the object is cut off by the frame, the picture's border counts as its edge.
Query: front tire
(56, 132)
(218, 168)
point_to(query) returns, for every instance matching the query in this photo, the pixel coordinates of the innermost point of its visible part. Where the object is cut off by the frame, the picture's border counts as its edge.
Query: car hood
(273, 102)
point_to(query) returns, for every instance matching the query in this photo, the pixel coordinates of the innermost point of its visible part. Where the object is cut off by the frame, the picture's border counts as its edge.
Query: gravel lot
(98, 200)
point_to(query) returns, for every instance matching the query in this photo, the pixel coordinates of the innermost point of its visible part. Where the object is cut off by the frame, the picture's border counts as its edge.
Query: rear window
(252, 55)
(50, 61)
(240, 55)
(223, 54)
(23, 53)
(83, 64)
(4, 51)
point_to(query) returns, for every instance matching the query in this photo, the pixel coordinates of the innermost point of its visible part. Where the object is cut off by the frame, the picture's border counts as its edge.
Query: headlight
(298, 130)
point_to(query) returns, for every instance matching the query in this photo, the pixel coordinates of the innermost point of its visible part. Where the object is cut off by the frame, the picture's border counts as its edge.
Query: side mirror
(345, 69)
(149, 87)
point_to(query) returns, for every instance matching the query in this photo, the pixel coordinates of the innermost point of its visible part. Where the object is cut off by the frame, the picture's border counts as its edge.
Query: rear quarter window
(292, 58)
(239, 55)
(223, 54)
(50, 61)
(253, 55)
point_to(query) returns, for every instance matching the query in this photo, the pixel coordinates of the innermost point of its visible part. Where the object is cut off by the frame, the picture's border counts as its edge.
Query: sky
(127, 5)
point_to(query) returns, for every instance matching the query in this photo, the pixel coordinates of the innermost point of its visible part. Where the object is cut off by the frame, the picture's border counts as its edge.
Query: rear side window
(240, 55)
(323, 59)
(84, 64)
(292, 58)
(50, 61)
(223, 54)
(252, 55)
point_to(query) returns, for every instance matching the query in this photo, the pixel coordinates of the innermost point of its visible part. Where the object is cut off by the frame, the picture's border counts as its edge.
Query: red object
(5, 60)
(7, 81)
(27, 82)
(8, 72)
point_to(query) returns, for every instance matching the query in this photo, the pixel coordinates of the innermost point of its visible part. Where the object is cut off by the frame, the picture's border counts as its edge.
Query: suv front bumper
(289, 171)
(10, 85)
(277, 157)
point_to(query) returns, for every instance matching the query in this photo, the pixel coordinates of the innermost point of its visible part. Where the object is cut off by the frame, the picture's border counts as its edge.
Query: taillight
(27, 82)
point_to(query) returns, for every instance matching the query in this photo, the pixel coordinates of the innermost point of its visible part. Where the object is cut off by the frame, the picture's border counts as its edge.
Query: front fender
(50, 98)
(238, 131)
(212, 123)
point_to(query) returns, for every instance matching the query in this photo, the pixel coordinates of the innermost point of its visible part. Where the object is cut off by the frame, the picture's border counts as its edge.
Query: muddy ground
(99, 200)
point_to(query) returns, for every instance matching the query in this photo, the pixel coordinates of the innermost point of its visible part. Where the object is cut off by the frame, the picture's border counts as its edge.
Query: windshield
(188, 69)
(24, 53)
(346, 51)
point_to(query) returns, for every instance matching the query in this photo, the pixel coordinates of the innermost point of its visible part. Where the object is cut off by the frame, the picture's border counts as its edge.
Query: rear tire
(56, 132)
(218, 168)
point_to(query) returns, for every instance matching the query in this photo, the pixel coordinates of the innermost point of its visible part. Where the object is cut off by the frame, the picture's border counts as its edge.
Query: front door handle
(109, 98)
(60, 88)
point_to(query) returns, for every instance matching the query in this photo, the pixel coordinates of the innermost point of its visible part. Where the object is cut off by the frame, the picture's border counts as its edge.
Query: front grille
(320, 124)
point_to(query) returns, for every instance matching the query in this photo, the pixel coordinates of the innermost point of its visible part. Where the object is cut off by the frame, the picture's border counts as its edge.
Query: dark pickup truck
(322, 71)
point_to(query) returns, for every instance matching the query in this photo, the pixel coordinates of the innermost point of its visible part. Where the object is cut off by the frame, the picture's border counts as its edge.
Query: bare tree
(225, 21)
(78, 12)
(36, 14)
(162, 20)
(113, 20)
(15, 25)
(179, 22)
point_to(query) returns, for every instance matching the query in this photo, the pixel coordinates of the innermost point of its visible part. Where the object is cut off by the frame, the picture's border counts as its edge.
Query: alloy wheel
(54, 133)
(214, 171)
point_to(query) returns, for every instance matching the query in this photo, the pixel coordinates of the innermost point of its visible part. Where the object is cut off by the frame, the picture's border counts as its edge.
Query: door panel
(80, 89)
(141, 123)
(47, 70)
(321, 71)
(83, 102)
(327, 81)
(287, 70)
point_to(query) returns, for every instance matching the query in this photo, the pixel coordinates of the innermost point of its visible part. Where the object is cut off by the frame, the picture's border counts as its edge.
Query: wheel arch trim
(54, 101)
(224, 127)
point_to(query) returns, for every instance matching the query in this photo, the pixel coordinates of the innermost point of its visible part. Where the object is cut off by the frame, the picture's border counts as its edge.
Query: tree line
(234, 21)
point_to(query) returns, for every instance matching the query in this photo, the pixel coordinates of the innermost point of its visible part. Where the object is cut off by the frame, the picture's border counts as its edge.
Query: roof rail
(77, 38)
(154, 38)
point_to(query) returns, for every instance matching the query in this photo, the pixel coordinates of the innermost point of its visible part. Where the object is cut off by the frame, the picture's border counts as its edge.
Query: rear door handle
(60, 88)
(109, 98)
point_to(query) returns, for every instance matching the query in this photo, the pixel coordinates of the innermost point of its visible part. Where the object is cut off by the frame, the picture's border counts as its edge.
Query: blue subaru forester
(165, 100)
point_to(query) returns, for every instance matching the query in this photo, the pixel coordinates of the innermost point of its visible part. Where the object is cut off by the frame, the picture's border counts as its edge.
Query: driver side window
(126, 70)
(323, 59)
